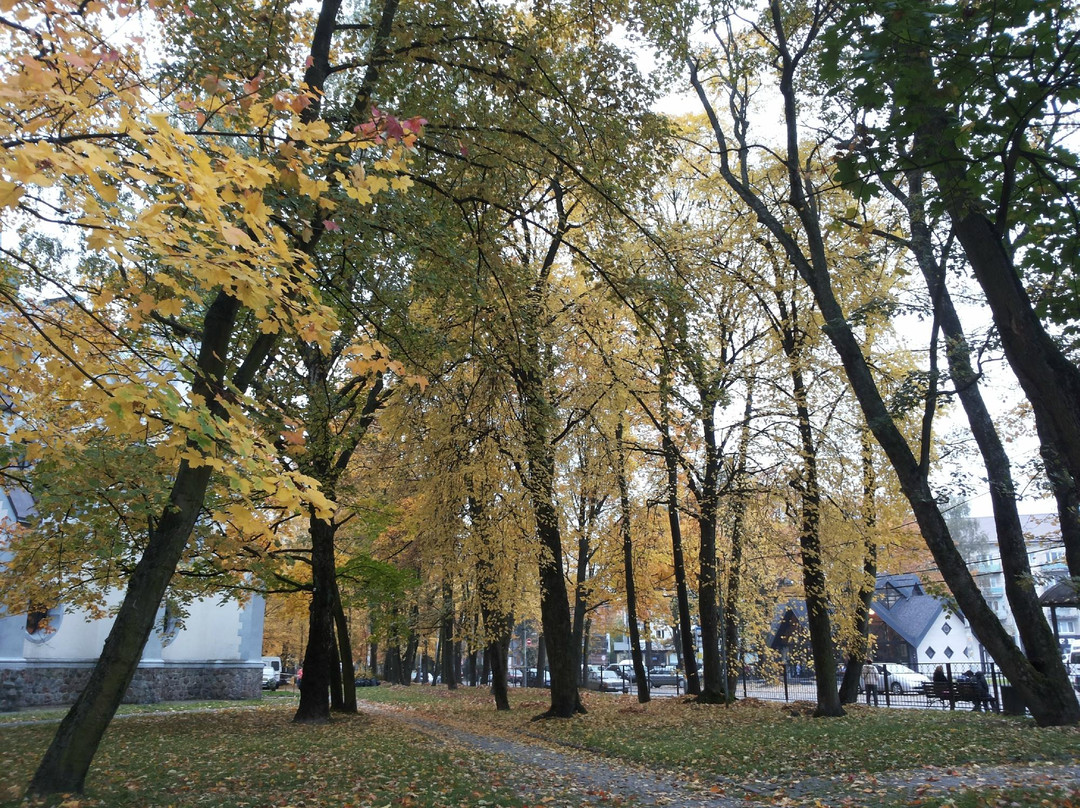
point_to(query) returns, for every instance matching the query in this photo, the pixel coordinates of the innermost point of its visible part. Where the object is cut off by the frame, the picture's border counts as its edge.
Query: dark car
(665, 677)
(605, 681)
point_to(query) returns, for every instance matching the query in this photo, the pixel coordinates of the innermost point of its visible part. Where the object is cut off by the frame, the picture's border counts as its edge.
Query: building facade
(213, 650)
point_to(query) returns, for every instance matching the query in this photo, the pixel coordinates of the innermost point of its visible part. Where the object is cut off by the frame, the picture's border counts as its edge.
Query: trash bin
(1012, 702)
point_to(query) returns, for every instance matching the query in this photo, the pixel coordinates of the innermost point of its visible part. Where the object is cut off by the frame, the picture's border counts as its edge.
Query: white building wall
(216, 653)
(949, 640)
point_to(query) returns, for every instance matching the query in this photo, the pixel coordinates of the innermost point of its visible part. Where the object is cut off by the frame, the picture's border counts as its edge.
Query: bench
(952, 692)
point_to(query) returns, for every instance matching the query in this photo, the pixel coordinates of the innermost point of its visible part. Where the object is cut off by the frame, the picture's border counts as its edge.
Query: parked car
(625, 669)
(532, 678)
(665, 677)
(271, 673)
(605, 681)
(900, 678)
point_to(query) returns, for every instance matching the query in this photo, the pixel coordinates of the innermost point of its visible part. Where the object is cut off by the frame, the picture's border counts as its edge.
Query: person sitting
(939, 674)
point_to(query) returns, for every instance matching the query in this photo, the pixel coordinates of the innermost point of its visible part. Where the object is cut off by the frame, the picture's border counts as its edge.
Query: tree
(1002, 170)
(190, 273)
(1050, 699)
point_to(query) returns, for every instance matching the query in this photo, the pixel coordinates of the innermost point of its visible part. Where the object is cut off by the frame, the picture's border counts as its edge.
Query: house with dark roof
(912, 627)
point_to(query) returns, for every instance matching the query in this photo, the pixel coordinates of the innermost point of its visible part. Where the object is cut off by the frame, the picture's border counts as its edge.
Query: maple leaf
(10, 193)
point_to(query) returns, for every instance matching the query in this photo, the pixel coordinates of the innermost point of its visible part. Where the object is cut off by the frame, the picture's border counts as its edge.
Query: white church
(46, 656)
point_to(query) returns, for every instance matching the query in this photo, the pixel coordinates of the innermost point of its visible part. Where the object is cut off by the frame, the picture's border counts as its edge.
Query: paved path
(579, 778)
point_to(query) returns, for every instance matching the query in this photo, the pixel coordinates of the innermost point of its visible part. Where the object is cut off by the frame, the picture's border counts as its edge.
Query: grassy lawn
(767, 743)
(258, 757)
(250, 754)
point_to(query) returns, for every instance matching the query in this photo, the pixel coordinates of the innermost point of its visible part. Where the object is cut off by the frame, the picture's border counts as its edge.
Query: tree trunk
(411, 646)
(733, 594)
(1067, 496)
(446, 636)
(541, 660)
(64, 767)
(497, 625)
(555, 616)
(586, 639)
(581, 605)
(1050, 381)
(392, 664)
(628, 566)
(849, 687)
(1035, 633)
(682, 595)
(337, 700)
(66, 762)
(533, 372)
(1045, 687)
(344, 646)
(314, 707)
(712, 685)
(817, 599)
(498, 629)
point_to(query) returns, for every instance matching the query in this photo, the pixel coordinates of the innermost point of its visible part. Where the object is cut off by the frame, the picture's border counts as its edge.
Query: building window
(946, 629)
(949, 652)
(42, 621)
(889, 596)
(168, 623)
(930, 652)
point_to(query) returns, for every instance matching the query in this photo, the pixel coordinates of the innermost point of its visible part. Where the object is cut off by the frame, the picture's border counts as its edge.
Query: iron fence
(900, 686)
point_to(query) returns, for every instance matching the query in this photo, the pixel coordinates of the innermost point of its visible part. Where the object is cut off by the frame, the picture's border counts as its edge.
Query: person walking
(870, 682)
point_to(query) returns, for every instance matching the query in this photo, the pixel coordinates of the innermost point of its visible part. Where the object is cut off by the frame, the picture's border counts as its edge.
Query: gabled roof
(787, 617)
(907, 585)
(913, 613)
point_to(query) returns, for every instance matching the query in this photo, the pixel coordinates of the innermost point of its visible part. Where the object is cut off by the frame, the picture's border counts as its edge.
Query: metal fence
(902, 686)
(911, 686)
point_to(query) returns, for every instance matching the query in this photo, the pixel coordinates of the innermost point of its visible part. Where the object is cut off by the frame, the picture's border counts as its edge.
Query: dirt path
(573, 777)
(579, 778)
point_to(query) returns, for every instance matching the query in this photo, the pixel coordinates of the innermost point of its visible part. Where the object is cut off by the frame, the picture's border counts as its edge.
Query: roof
(906, 584)
(20, 502)
(1063, 593)
(787, 618)
(911, 615)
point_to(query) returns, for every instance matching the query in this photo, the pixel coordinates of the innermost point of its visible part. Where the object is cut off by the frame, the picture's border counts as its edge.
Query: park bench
(948, 693)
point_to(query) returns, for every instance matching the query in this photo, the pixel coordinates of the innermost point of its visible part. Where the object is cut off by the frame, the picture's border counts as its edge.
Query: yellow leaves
(10, 194)
(169, 217)
(234, 236)
(170, 306)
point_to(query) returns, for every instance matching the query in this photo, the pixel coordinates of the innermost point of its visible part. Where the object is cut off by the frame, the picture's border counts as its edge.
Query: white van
(271, 672)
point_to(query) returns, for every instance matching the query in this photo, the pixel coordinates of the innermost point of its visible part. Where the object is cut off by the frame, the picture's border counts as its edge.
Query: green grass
(752, 738)
(57, 713)
(259, 757)
(250, 753)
